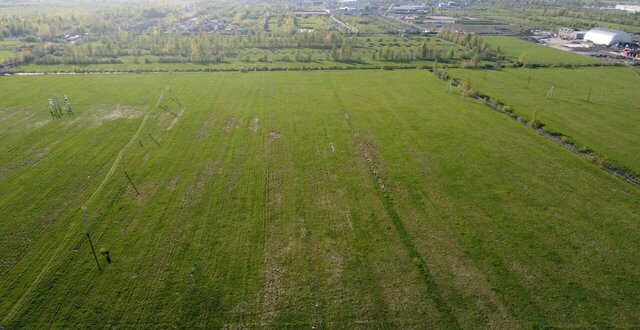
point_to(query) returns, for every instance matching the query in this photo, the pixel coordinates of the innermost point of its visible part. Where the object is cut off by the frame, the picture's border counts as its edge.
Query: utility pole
(130, 181)
(550, 93)
(154, 140)
(87, 231)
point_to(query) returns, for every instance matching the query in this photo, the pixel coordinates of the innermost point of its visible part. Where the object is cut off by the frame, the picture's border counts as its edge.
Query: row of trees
(476, 49)
(209, 48)
(50, 27)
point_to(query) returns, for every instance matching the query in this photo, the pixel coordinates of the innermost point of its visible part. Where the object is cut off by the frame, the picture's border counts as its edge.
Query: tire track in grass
(421, 266)
(71, 229)
(282, 288)
(410, 130)
(170, 228)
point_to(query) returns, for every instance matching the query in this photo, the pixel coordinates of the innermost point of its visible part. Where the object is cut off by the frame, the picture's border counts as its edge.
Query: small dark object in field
(106, 255)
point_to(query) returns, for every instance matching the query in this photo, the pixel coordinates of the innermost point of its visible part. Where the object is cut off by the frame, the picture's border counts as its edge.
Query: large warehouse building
(607, 37)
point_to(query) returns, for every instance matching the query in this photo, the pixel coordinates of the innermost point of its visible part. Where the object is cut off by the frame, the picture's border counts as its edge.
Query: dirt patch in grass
(207, 124)
(100, 114)
(275, 198)
(274, 135)
(372, 156)
(173, 184)
(121, 112)
(40, 123)
(196, 187)
(228, 126)
(255, 124)
(278, 283)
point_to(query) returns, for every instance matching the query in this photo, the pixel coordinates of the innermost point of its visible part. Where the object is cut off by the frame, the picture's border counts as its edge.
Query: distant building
(347, 3)
(606, 37)
(571, 34)
(409, 9)
(347, 10)
(630, 8)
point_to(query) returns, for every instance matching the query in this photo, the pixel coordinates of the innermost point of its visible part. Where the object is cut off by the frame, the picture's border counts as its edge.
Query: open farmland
(537, 54)
(368, 199)
(595, 107)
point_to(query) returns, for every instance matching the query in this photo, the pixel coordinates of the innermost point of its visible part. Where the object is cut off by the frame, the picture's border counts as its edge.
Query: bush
(537, 124)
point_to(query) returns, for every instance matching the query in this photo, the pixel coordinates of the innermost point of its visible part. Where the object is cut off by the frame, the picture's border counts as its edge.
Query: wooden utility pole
(154, 140)
(130, 181)
(87, 232)
(94, 251)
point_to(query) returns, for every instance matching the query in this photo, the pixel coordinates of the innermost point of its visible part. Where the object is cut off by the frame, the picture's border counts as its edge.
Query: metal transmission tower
(67, 105)
(54, 108)
(550, 93)
(168, 101)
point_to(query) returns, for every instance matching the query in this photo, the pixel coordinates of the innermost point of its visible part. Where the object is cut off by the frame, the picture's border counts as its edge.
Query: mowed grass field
(302, 199)
(607, 121)
(513, 47)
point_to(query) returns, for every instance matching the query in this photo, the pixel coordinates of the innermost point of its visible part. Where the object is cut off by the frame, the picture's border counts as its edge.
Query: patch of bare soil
(372, 157)
(100, 114)
(274, 135)
(207, 124)
(196, 187)
(173, 184)
(40, 123)
(278, 284)
(228, 126)
(255, 124)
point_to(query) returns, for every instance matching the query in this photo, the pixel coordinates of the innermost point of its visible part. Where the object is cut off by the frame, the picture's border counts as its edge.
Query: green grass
(608, 124)
(536, 54)
(5, 55)
(366, 199)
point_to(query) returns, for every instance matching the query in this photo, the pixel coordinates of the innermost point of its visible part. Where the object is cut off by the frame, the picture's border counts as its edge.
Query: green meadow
(596, 107)
(513, 48)
(356, 199)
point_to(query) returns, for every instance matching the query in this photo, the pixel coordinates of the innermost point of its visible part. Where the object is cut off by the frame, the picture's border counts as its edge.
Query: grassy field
(536, 18)
(608, 121)
(366, 199)
(537, 54)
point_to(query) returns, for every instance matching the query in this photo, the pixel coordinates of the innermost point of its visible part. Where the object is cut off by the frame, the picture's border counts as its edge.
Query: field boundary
(558, 137)
(389, 66)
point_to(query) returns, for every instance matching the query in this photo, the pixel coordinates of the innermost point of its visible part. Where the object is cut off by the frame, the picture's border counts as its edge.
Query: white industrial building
(630, 8)
(606, 37)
